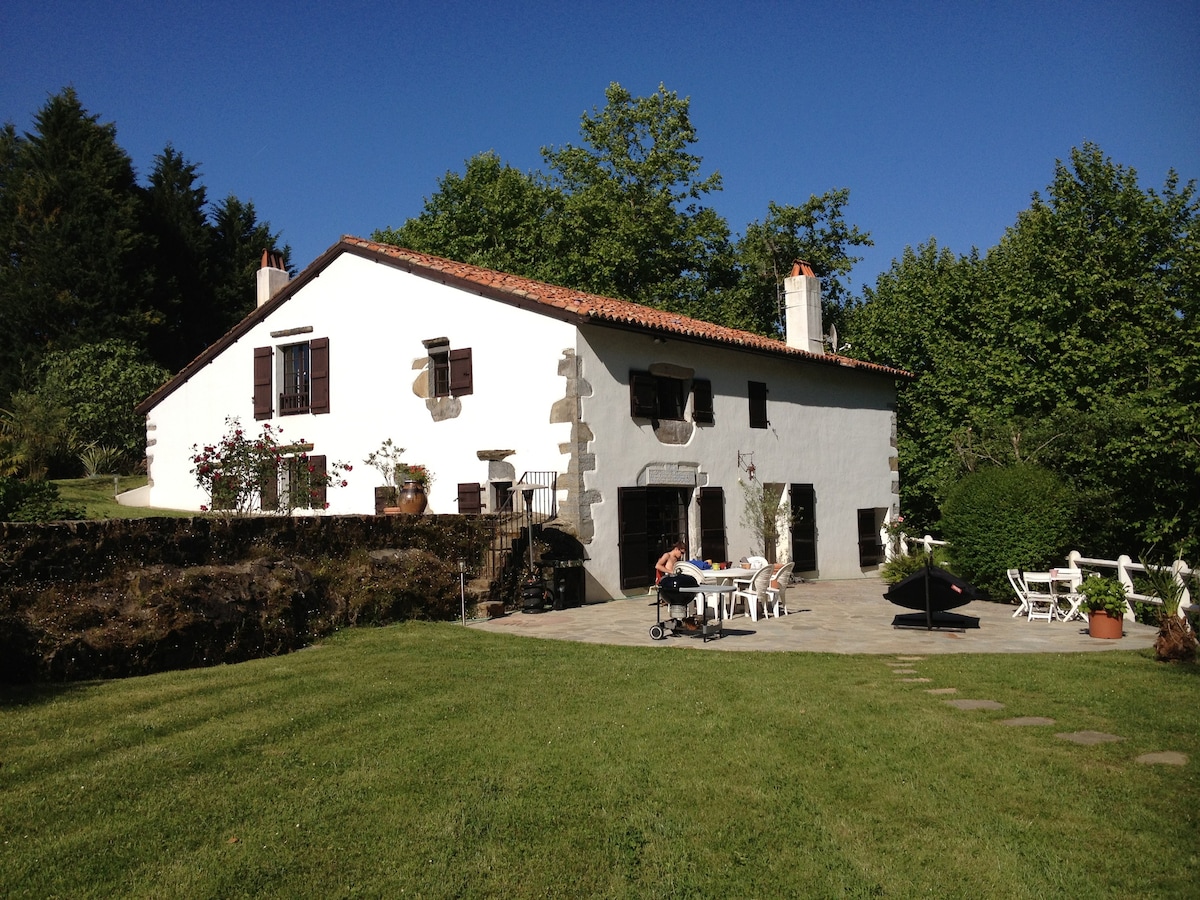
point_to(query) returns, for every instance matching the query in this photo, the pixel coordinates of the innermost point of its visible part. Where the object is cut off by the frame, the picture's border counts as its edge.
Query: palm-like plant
(1175, 640)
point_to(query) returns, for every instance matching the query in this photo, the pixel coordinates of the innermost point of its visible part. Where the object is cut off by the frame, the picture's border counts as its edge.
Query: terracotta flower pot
(1102, 625)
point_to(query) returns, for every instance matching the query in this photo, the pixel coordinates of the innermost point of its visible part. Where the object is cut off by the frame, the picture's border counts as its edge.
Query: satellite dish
(832, 337)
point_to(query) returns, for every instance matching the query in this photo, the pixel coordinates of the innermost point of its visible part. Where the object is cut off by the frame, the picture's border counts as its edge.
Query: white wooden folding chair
(1014, 578)
(1042, 604)
(1065, 586)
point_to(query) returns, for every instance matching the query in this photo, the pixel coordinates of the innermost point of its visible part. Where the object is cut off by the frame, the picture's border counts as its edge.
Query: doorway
(651, 519)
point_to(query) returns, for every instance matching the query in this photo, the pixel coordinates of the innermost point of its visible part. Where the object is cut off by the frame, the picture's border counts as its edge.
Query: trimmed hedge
(1017, 517)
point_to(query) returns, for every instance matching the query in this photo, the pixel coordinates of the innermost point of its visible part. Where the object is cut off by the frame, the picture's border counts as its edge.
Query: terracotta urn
(412, 500)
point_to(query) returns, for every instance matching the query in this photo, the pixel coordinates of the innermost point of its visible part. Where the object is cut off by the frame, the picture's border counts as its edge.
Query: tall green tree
(624, 213)
(177, 229)
(72, 245)
(1072, 344)
(237, 240)
(633, 222)
(491, 215)
(816, 232)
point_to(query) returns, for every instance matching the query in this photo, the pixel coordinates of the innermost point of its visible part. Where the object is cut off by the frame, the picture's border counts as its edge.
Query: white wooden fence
(1123, 567)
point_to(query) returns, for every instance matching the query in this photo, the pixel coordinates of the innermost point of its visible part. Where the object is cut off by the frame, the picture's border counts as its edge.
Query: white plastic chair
(777, 595)
(754, 592)
(754, 562)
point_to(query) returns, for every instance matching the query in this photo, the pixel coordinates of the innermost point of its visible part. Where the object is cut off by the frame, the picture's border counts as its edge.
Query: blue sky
(338, 117)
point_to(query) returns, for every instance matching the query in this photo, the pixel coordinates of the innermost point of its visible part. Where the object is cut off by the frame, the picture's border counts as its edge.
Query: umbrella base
(937, 621)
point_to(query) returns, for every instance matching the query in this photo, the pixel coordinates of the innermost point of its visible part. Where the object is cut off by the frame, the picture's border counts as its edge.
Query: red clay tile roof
(591, 307)
(525, 292)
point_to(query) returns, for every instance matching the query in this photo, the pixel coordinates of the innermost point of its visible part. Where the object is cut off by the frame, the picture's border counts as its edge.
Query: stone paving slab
(974, 704)
(844, 616)
(1088, 738)
(1164, 758)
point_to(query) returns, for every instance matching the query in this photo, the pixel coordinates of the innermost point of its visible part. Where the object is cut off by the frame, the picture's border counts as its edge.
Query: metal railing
(515, 518)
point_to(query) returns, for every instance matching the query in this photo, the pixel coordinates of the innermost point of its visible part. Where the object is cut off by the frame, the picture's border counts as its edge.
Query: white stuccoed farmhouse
(647, 422)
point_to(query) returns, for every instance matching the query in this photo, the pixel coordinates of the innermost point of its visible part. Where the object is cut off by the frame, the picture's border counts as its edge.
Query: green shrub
(900, 567)
(1006, 518)
(32, 501)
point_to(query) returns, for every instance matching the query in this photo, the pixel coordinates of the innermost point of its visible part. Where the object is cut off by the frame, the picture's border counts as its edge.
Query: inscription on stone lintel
(671, 477)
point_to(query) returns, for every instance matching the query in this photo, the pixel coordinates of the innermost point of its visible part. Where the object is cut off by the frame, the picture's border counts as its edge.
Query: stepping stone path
(1088, 738)
(974, 704)
(900, 666)
(1166, 758)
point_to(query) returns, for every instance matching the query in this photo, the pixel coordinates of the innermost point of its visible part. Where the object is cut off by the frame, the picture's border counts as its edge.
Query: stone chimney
(271, 276)
(802, 309)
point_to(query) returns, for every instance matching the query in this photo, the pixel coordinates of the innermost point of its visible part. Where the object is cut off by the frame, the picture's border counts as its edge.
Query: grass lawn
(97, 496)
(430, 760)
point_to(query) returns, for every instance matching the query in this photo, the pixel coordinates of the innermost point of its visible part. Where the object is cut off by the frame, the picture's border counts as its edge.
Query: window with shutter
(294, 390)
(702, 403)
(758, 404)
(263, 372)
(655, 396)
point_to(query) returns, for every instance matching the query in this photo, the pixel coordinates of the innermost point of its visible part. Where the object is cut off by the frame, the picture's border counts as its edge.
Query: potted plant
(1104, 599)
(386, 460)
(415, 481)
(1176, 640)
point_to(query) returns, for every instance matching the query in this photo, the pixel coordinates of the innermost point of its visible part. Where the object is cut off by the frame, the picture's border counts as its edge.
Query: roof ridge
(602, 308)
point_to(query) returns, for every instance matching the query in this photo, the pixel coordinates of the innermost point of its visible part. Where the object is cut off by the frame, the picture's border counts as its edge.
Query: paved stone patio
(849, 616)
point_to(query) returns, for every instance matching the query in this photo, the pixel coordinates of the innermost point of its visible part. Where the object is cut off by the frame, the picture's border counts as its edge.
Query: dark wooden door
(803, 499)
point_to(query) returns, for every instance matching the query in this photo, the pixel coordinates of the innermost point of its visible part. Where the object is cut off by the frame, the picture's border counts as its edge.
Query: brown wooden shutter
(712, 524)
(263, 372)
(470, 499)
(702, 403)
(268, 491)
(758, 404)
(461, 377)
(318, 379)
(643, 395)
(317, 481)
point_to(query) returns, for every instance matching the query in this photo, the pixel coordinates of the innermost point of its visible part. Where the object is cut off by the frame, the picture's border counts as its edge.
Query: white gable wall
(830, 427)
(376, 317)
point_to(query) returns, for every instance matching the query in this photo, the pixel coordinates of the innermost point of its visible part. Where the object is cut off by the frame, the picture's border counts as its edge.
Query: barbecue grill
(679, 622)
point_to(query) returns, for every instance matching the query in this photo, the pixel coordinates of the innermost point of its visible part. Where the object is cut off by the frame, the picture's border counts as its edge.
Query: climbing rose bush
(241, 474)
